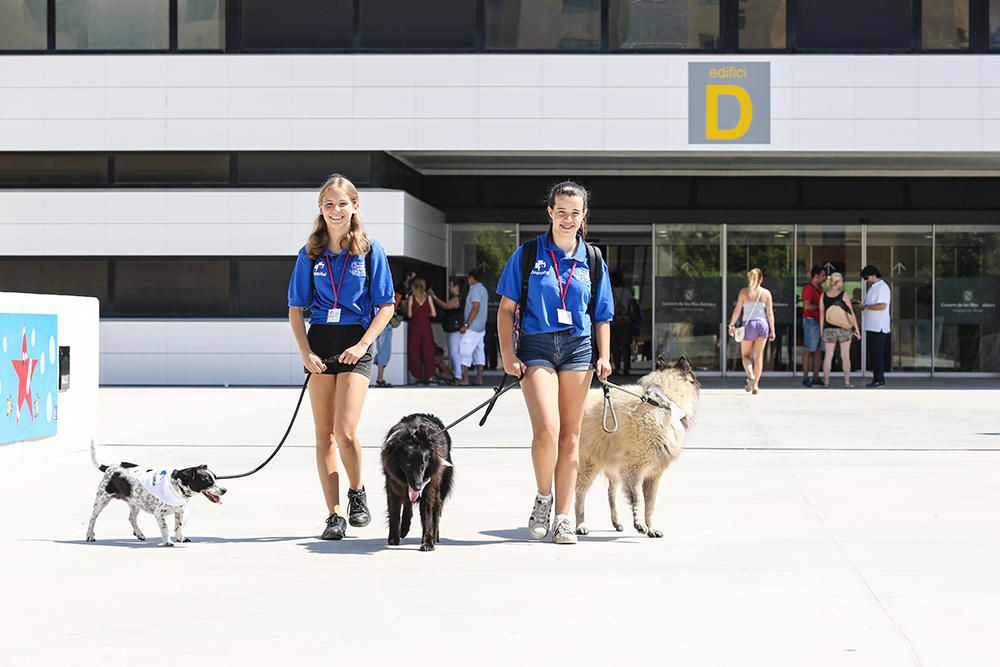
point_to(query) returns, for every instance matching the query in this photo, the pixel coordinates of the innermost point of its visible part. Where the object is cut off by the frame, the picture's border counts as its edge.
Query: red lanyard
(562, 290)
(336, 289)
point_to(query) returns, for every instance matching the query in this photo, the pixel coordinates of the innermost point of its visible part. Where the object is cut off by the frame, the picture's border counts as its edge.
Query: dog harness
(157, 482)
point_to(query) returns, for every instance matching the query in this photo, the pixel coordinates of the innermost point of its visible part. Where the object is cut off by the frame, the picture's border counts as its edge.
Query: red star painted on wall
(24, 368)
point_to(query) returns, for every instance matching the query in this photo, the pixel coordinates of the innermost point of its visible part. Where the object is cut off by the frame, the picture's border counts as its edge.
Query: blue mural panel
(29, 376)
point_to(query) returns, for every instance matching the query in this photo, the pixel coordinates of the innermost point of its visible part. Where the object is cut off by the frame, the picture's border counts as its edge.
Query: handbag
(837, 316)
(395, 321)
(452, 320)
(740, 332)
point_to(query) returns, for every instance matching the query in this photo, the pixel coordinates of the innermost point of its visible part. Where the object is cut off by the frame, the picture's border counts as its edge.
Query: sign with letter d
(729, 103)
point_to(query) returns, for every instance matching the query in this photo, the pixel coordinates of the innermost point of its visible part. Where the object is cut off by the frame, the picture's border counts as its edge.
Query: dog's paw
(426, 547)
(91, 538)
(582, 529)
(186, 539)
(641, 528)
(140, 537)
(618, 526)
(393, 541)
(654, 533)
(166, 544)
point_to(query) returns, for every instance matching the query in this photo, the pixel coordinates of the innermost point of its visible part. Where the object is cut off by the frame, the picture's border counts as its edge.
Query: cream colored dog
(648, 439)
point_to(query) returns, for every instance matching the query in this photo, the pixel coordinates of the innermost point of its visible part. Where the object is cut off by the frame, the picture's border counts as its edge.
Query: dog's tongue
(214, 498)
(414, 494)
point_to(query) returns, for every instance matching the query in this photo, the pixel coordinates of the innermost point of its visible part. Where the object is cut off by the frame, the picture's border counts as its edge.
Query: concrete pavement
(802, 527)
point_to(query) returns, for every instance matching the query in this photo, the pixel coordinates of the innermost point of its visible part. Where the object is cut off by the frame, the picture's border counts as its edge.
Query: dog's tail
(93, 456)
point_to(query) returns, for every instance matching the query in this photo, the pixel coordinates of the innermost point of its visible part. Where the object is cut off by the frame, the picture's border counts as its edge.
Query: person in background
(419, 337)
(833, 334)
(875, 317)
(621, 325)
(755, 303)
(383, 352)
(473, 330)
(812, 358)
(451, 308)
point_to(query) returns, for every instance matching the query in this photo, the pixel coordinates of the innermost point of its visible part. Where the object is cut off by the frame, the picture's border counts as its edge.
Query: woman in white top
(754, 302)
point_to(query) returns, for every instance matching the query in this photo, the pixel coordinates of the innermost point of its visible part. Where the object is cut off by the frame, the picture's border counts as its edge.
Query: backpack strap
(529, 250)
(595, 260)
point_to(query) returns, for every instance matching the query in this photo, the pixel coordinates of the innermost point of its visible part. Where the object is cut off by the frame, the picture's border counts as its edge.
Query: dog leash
(287, 431)
(609, 406)
(498, 391)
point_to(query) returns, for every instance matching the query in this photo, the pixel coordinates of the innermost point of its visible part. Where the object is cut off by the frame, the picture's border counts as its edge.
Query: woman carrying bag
(837, 325)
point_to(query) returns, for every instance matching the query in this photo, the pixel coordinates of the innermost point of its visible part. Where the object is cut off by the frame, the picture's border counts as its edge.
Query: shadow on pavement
(154, 541)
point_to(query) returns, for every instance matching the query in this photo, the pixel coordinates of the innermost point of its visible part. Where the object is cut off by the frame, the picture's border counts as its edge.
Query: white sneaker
(538, 522)
(562, 532)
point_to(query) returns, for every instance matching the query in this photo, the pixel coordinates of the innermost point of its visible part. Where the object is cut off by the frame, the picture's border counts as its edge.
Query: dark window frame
(728, 43)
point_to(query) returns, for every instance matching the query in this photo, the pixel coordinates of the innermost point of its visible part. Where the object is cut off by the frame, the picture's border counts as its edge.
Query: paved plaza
(802, 528)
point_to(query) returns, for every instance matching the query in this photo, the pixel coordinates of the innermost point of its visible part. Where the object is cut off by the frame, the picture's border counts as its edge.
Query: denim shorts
(560, 350)
(810, 334)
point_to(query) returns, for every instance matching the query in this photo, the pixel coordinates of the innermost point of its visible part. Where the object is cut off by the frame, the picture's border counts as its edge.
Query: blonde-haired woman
(755, 303)
(832, 334)
(419, 337)
(342, 277)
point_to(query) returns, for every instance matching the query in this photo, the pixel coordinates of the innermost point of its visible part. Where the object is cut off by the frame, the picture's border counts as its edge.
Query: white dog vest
(157, 482)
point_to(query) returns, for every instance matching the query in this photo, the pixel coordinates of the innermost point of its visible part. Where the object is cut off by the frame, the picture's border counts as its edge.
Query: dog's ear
(683, 364)
(203, 466)
(185, 476)
(661, 363)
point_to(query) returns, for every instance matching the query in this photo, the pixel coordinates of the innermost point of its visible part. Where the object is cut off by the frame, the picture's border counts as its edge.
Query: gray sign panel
(729, 103)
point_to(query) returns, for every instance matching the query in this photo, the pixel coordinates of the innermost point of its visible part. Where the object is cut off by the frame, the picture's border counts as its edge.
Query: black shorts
(329, 340)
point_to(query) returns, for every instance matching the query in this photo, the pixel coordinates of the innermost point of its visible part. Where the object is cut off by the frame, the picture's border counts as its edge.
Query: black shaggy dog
(416, 462)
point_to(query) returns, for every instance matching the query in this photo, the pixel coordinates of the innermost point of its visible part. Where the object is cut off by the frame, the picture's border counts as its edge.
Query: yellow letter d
(712, 95)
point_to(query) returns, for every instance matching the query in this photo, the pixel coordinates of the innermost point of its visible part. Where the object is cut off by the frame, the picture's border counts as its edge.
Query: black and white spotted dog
(157, 491)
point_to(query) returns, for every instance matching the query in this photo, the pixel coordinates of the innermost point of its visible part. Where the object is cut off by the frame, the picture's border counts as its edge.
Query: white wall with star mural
(74, 410)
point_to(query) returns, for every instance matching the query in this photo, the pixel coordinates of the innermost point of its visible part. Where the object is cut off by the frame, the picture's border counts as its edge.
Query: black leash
(498, 391)
(283, 438)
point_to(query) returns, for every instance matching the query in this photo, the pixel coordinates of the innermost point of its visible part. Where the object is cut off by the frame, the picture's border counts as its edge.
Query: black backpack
(595, 260)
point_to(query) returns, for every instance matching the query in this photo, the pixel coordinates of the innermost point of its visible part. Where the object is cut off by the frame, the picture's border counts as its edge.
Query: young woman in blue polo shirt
(555, 353)
(349, 309)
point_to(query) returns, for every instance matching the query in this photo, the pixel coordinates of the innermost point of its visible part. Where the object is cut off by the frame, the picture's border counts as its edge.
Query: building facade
(166, 159)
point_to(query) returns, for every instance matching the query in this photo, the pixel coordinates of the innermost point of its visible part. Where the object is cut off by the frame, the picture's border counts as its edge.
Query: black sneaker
(806, 382)
(335, 529)
(875, 385)
(357, 508)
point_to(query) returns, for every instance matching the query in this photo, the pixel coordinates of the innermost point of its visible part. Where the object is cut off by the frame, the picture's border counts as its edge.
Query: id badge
(564, 316)
(333, 316)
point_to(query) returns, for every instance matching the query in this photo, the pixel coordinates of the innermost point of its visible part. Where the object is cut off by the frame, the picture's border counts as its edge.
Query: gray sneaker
(562, 532)
(538, 523)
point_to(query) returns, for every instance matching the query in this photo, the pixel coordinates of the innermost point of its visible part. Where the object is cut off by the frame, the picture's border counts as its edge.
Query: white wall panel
(381, 101)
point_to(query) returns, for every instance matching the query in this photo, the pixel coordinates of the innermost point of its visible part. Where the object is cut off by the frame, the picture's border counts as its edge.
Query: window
(543, 24)
(56, 275)
(172, 287)
(995, 24)
(664, 24)
(168, 168)
(263, 286)
(53, 169)
(112, 24)
(762, 24)
(298, 24)
(201, 24)
(23, 25)
(307, 170)
(429, 24)
(944, 24)
(854, 25)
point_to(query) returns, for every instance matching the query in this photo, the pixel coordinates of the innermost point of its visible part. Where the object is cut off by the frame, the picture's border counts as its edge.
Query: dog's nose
(222, 491)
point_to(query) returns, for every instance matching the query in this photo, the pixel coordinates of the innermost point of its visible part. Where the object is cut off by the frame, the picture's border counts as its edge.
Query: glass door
(903, 255)
(771, 249)
(689, 294)
(966, 297)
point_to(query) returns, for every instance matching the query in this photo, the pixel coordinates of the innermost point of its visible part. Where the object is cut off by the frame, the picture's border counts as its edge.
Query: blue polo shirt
(543, 289)
(310, 285)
